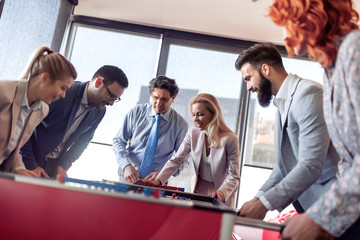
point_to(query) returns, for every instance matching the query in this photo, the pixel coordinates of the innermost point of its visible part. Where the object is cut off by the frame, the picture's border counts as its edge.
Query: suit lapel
(278, 134)
(29, 128)
(78, 93)
(199, 150)
(196, 157)
(19, 95)
(294, 81)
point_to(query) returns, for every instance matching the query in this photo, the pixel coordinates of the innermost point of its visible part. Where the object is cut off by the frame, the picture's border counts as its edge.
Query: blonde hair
(217, 123)
(43, 59)
(316, 23)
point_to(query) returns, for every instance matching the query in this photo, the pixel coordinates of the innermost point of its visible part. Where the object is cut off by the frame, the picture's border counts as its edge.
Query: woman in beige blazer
(24, 103)
(214, 149)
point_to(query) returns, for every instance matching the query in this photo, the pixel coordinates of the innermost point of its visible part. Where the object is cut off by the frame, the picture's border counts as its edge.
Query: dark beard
(264, 95)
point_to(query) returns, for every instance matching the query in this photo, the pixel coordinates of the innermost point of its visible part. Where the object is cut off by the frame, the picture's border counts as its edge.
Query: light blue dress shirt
(130, 142)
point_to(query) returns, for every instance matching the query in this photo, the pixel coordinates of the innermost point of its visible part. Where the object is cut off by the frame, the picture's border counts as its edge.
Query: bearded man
(306, 161)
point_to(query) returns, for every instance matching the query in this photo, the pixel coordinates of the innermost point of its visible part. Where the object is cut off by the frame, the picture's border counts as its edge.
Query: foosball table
(39, 208)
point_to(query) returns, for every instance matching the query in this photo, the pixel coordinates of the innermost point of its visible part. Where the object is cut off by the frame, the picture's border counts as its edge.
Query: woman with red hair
(327, 31)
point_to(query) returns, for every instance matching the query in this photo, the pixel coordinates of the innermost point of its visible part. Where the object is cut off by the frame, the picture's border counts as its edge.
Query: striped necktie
(146, 163)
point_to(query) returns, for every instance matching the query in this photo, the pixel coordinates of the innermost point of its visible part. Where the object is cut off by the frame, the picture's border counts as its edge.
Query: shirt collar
(25, 103)
(84, 99)
(282, 94)
(165, 116)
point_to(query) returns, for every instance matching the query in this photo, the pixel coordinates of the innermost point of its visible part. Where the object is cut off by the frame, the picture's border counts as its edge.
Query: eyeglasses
(111, 96)
(164, 100)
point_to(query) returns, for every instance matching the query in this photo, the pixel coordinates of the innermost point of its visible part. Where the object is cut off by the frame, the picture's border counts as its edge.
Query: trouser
(298, 207)
(50, 167)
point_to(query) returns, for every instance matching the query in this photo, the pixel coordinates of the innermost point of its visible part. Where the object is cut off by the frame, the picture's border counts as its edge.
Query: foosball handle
(61, 177)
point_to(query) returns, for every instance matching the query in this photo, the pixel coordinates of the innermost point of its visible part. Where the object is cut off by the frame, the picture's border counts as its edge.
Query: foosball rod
(169, 192)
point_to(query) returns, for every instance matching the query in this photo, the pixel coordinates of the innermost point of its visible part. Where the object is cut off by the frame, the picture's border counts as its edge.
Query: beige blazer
(11, 96)
(224, 161)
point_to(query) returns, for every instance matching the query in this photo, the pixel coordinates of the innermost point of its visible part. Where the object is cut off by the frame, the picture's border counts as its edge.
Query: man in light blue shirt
(130, 142)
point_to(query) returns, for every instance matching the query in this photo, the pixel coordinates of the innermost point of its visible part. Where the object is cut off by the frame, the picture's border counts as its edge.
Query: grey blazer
(306, 159)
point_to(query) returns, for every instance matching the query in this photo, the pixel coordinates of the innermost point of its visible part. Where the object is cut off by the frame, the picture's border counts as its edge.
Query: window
(206, 70)
(136, 55)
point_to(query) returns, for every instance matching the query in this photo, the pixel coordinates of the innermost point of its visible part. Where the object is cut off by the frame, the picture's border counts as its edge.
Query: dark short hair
(164, 82)
(259, 54)
(112, 74)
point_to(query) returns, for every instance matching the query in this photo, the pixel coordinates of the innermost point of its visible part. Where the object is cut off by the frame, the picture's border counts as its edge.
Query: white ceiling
(239, 19)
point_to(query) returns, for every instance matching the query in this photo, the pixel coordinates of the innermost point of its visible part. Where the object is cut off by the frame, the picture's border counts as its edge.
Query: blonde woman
(24, 103)
(214, 149)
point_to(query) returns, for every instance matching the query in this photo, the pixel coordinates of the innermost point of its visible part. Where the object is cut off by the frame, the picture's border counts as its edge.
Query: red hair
(316, 23)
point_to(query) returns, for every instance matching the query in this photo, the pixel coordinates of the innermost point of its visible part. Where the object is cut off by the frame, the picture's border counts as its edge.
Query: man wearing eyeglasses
(63, 135)
(132, 138)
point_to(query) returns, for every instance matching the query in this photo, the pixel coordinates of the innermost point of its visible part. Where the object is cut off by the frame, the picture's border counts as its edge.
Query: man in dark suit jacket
(63, 135)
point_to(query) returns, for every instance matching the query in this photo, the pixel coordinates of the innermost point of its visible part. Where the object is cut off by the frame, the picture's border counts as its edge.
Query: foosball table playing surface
(38, 208)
